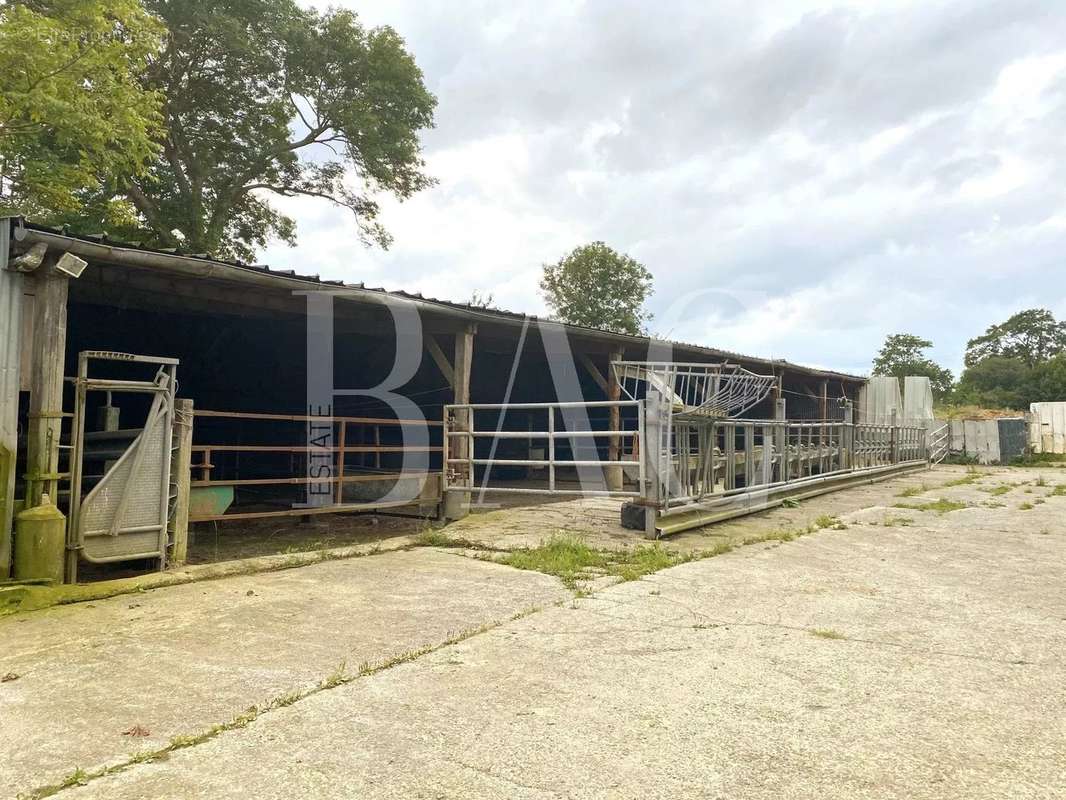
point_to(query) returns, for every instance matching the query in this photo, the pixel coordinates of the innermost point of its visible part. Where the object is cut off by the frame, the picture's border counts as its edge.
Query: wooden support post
(457, 503)
(749, 456)
(781, 439)
(182, 472)
(46, 384)
(342, 436)
(823, 402)
(653, 463)
(615, 475)
(730, 456)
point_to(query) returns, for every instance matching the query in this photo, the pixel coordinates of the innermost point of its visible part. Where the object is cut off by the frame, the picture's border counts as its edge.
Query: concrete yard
(900, 653)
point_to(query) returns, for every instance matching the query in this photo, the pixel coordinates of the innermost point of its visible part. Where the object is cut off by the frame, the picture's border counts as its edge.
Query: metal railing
(939, 443)
(572, 445)
(725, 456)
(344, 450)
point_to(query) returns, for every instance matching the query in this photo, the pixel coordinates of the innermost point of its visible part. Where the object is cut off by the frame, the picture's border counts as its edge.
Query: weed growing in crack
(81, 777)
(897, 522)
(827, 633)
(941, 506)
(912, 491)
(997, 491)
(972, 476)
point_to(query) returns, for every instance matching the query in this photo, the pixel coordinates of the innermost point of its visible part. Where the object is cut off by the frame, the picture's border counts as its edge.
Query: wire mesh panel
(705, 390)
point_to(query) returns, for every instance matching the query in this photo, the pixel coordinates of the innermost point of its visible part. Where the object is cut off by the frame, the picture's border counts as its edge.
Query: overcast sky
(817, 174)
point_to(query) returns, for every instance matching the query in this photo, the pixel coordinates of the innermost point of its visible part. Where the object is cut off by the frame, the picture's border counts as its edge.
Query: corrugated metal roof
(475, 311)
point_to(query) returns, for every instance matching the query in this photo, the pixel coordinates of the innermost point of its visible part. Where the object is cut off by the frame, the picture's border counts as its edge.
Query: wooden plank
(46, 383)
(594, 371)
(614, 475)
(183, 421)
(441, 360)
(342, 436)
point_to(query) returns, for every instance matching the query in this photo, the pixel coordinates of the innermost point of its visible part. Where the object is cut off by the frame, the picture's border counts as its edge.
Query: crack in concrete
(183, 742)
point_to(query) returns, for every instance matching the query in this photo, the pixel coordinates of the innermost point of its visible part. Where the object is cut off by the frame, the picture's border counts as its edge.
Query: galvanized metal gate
(124, 516)
(569, 443)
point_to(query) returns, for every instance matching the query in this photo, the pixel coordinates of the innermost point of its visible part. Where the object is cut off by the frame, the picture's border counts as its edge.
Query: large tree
(263, 98)
(75, 119)
(903, 354)
(596, 286)
(1031, 336)
(996, 382)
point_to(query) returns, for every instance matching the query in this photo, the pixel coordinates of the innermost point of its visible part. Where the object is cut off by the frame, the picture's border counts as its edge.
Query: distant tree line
(1012, 364)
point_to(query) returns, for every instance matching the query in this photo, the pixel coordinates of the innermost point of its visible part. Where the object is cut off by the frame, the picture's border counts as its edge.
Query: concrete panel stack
(880, 400)
(1047, 431)
(917, 400)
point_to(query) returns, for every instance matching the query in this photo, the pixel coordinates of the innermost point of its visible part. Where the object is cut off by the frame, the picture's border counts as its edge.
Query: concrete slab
(180, 659)
(874, 662)
(597, 520)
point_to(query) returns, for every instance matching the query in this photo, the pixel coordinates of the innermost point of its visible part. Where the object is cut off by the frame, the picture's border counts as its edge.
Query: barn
(147, 391)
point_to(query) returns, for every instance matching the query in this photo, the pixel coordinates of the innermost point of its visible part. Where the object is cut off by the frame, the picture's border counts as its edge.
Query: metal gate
(939, 442)
(124, 514)
(567, 454)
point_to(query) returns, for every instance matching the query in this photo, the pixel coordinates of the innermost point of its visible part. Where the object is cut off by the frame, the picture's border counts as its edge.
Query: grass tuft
(941, 506)
(996, 491)
(972, 476)
(912, 491)
(826, 633)
(571, 560)
(433, 538)
(897, 522)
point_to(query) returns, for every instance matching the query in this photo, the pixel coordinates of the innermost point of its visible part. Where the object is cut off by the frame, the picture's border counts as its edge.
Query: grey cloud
(736, 158)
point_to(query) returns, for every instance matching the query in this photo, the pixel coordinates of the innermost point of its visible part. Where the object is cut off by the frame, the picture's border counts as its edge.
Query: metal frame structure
(745, 455)
(339, 449)
(694, 462)
(121, 512)
(460, 464)
(939, 443)
(702, 390)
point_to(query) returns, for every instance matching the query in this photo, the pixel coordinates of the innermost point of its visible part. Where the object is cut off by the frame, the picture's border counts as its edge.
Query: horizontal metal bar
(111, 355)
(314, 418)
(255, 448)
(365, 478)
(133, 529)
(525, 462)
(531, 406)
(332, 509)
(124, 557)
(100, 385)
(545, 434)
(514, 490)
